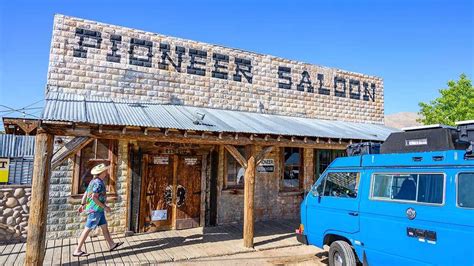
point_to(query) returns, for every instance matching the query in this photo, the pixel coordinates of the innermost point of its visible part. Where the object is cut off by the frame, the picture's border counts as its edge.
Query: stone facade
(94, 58)
(14, 212)
(63, 218)
(271, 202)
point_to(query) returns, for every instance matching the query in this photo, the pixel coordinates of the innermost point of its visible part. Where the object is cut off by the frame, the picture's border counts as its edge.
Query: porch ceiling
(105, 111)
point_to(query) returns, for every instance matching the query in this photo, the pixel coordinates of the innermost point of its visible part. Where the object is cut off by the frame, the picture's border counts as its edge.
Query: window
(292, 168)
(422, 188)
(465, 196)
(342, 185)
(323, 158)
(234, 171)
(96, 152)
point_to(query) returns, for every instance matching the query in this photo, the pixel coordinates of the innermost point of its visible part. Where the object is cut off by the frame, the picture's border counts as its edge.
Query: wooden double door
(171, 192)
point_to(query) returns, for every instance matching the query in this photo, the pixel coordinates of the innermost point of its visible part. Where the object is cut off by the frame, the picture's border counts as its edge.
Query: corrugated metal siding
(16, 146)
(20, 150)
(104, 111)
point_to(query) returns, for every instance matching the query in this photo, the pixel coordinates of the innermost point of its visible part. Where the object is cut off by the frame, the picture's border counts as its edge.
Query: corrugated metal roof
(20, 146)
(104, 111)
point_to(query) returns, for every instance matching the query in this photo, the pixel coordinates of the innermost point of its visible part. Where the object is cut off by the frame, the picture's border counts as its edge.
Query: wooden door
(188, 191)
(156, 208)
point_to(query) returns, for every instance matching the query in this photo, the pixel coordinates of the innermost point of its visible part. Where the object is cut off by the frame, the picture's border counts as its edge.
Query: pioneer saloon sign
(140, 52)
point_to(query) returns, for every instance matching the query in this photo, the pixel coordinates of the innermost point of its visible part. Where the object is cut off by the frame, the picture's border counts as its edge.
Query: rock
(7, 212)
(23, 224)
(17, 208)
(16, 214)
(10, 221)
(11, 202)
(17, 221)
(25, 208)
(23, 200)
(19, 192)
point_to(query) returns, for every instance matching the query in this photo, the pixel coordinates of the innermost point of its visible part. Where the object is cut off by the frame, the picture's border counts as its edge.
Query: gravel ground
(297, 255)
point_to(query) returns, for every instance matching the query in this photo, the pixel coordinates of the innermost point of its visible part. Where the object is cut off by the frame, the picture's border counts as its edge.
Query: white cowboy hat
(99, 169)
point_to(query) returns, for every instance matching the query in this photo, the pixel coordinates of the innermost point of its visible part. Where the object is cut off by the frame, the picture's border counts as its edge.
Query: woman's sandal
(118, 244)
(81, 254)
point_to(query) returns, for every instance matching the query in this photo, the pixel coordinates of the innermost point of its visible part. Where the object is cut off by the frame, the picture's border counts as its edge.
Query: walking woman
(93, 203)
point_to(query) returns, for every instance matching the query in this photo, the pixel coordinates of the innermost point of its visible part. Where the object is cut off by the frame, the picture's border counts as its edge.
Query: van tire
(344, 251)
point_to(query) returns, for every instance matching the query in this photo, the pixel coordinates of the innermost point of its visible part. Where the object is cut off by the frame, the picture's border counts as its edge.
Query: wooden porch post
(249, 191)
(35, 246)
(250, 166)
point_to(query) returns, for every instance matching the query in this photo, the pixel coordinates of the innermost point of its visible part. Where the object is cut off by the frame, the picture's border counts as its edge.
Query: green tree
(456, 103)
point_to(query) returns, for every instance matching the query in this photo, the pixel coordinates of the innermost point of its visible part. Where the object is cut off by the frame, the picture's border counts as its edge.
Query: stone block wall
(63, 218)
(270, 201)
(14, 212)
(93, 58)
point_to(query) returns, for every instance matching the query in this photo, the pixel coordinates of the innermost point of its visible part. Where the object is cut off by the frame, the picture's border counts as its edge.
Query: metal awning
(64, 107)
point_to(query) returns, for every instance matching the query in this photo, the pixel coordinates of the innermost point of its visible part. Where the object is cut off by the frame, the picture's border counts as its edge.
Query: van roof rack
(427, 127)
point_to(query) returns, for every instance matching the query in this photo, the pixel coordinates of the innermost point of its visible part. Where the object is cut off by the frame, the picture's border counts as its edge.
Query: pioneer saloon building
(195, 134)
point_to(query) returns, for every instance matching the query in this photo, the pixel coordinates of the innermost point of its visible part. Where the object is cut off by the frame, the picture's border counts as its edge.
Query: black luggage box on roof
(423, 139)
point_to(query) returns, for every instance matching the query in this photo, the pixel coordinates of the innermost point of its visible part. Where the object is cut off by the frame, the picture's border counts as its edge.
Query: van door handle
(354, 213)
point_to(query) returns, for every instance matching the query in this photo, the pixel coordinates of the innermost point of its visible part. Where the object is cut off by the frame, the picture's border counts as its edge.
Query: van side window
(423, 188)
(342, 185)
(465, 190)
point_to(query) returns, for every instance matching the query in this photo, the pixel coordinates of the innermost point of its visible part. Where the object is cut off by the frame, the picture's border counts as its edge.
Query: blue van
(400, 207)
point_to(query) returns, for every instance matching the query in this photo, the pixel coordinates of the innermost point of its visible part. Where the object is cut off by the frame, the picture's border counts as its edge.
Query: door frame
(174, 159)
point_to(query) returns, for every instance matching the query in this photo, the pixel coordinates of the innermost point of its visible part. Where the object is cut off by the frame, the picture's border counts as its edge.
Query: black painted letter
(114, 57)
(338, 92)
(354, 83)
(322, 90)
(305, 80)
(243, 66)
(192, 68)
(367, 93)
(86, 34)
(165, 50)
(146, 62)
(217, 73)
(284, 73)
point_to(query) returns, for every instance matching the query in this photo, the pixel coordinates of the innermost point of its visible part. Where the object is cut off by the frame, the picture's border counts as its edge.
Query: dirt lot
(298, 255)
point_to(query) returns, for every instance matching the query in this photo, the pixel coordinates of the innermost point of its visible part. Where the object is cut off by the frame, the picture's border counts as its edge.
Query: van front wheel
(341, 254)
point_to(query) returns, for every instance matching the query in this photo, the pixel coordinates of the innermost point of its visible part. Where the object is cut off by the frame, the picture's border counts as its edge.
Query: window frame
(111, 186)
(457, 192)
(316, 163)
(325, 178)
(226, 157)
(372, 184)
(284, 188)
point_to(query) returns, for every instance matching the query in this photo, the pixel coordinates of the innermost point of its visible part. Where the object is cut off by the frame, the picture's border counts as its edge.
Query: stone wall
(94, 58)
(270, 201)
(14, 212)
(63, 219)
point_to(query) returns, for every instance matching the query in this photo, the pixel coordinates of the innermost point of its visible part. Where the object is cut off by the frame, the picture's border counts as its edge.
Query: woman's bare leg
(106, 233)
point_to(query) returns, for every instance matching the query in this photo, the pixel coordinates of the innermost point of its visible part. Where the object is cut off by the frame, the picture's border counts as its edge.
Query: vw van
(412, 204)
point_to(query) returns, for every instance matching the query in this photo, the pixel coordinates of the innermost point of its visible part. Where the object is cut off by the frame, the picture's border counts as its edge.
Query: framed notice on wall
(159, 215)
(161, 160)
(266, 166)
(4, 167)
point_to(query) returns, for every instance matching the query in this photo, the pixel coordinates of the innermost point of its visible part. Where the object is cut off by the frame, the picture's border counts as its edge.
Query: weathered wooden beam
(69, 149)
(237, 156)
(35, 246)
(249, 203)
(198, 138)
(261, 155)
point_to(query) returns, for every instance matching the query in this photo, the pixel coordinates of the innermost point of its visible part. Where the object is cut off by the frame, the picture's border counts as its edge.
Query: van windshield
(423, 188)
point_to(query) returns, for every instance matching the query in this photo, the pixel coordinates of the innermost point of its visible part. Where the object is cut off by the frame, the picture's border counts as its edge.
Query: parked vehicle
(411, 205)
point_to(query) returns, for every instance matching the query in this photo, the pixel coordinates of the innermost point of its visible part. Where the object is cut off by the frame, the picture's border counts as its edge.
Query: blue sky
(415, 46)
